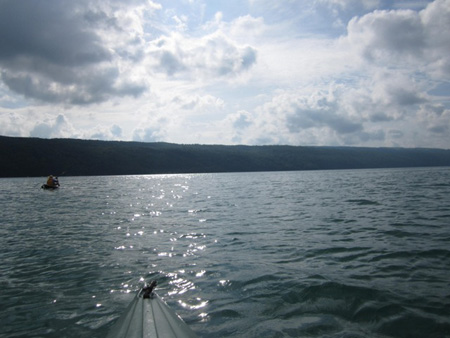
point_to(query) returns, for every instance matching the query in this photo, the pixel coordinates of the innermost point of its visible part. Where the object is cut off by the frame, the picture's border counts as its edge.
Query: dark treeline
(70, 157)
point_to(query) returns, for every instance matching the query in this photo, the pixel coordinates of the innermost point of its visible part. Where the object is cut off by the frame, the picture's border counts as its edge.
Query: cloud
(212, 55)
(405, 38)
(13, 124)
(388, 34)
(59, 127)
(149, 134)
(104, 133)
(81, 53)
(320, 115)
(238, 125)
(241, 120)
(394, 92)
(58, 51)
(197, 103)
(319, 111)
(351, 4)
(48, 30)
(435, 116)
(34, 123)
(339, 114)
(323, 72)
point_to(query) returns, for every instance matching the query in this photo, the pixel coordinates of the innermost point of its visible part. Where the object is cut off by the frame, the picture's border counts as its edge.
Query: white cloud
(148, 134)
(407, 39)
(56, 128)
(113, 132)
(315, 118)
(13, 124)
(323, 72)
(213, 55)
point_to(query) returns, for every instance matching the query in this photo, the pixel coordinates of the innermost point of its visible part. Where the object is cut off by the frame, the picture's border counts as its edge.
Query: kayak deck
(149, 316)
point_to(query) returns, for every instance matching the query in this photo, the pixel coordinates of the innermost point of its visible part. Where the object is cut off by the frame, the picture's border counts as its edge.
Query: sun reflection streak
(224, 282)
(204, 317)
(200, 273)
(201, 304)
(166, 254)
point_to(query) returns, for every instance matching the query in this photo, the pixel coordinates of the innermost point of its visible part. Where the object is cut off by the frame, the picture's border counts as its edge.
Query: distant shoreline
(35, 157)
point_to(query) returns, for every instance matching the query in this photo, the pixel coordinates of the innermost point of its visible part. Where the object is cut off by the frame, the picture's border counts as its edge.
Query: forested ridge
(21, 157)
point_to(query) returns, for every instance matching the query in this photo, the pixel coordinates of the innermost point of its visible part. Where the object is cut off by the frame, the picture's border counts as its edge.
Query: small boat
(52, 183)
(46, 186)
(149, 316)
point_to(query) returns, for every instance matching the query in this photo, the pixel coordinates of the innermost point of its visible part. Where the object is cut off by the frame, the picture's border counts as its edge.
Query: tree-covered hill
(40, 157)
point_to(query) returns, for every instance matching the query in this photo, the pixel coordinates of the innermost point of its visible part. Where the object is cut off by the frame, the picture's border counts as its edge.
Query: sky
(366, 73)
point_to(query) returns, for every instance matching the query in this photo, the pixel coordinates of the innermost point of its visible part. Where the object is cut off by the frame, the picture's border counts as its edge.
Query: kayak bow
(149, 316)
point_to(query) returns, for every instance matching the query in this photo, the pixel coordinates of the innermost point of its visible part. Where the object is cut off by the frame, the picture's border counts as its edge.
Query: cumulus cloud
(59, 127)
(82, 52)
(48, 31)
(323, 72)
(436, 117)
(318, 111)
(197, 103)
(147, 134)
(383, 35)
(14, 124)
(405, 38)
(300, 115)
(371, 113)
(385, 98)
(104, 133)
(55, 51)
(239, 125)
(241, 120)
(212, 55)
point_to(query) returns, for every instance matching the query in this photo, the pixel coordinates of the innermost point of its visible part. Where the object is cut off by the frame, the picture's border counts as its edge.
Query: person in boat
(52, 181)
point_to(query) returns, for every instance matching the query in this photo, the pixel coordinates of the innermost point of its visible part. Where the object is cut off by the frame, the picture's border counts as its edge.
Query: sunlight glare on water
(360, 253)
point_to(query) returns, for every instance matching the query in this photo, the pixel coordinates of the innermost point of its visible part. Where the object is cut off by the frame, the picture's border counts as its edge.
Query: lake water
(348, 253)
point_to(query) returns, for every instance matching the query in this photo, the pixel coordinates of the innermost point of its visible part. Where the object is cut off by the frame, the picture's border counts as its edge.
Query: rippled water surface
(362, 253)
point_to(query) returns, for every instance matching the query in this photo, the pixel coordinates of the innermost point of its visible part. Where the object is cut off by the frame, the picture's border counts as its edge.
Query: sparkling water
(347, 253)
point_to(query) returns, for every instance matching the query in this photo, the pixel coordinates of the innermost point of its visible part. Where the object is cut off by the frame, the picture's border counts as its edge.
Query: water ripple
(317, 254)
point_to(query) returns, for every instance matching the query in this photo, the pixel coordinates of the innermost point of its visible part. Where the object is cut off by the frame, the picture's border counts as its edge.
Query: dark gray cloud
(380, 117)
(53, 31)
(170, 63)
(363, 136)
(441, 129)
(84, 52)
(406, 96)
(54, 51)
(325, 116)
